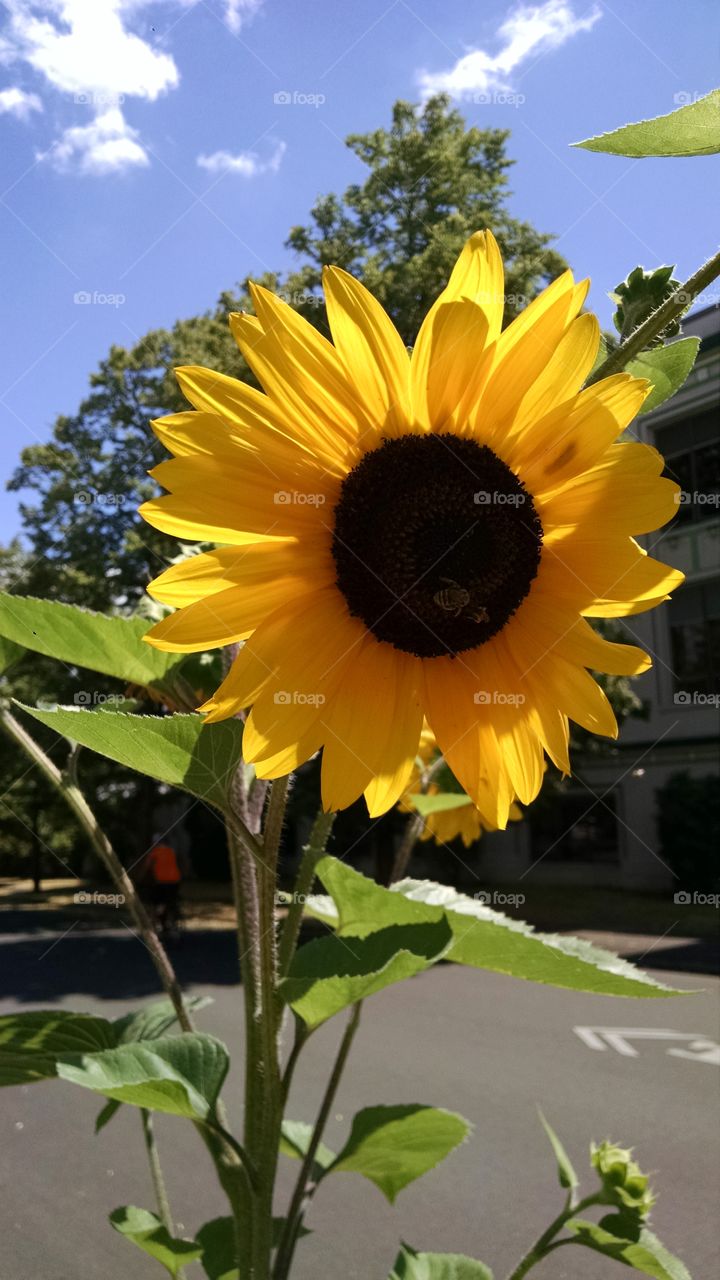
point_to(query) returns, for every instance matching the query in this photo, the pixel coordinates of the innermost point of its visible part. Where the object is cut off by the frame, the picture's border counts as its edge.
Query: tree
(432, 182)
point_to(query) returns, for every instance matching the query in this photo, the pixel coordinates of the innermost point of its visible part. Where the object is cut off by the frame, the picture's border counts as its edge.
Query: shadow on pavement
(107, 964)
(700, 955)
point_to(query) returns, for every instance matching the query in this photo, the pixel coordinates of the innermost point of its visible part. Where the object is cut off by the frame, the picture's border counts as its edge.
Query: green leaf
(666, 367)
(153, 1020)
(31, 1043)
(441, 802)
(410, 1265)
(644, 1253)
(294, 1141)
(179, 749)
(105, 1115)
(566, 1174)
(148, 1023)
(481, 937)
(111, 645)
(147, 1231)
(392, 1146)
(692, 130)
(9, 653)
(331, 973)
(217, 1239)
(181, 1075)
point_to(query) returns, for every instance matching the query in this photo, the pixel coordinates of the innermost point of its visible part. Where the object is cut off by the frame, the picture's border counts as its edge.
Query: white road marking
(700, 1048)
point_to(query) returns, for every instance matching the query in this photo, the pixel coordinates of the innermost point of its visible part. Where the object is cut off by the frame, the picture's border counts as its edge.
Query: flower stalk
(311, 855)
(304, 1189)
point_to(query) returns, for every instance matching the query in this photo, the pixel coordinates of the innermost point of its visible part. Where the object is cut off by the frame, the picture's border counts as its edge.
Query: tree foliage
(432, 182)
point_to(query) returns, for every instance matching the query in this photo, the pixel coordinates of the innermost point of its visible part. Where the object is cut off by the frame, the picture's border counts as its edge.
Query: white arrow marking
(618, 1038)
(699, 1051)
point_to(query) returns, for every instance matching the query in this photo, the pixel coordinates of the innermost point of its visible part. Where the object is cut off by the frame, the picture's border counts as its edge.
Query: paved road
(484, 1045)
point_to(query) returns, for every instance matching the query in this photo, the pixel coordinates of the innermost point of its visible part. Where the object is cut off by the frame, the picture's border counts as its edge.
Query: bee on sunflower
(408, 537)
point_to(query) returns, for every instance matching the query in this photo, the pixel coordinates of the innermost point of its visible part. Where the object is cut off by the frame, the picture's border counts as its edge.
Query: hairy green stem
(669, 310)
(303, 1191)
(68, 788)
(311, 855)
(546, 1242)
(245, 894)
(270, 1091)
(411, 835)
(301, 1037)
(415, 827)
(254, 868)
(156, 1173)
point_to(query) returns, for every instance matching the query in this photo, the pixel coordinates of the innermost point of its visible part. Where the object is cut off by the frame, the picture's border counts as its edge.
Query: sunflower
(412, 536)
(458, 816)
(463, 821)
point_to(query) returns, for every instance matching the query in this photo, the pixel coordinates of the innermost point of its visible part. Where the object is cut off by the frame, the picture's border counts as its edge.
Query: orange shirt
(163, 865)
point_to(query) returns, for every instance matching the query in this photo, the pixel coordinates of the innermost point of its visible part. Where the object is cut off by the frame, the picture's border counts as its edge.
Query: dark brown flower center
(436, 543)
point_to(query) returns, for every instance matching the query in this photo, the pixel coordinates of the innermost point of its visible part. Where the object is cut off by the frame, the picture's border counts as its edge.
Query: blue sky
(151, 157)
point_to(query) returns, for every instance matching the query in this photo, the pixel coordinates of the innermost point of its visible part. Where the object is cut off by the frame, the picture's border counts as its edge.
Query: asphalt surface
(489, 1047)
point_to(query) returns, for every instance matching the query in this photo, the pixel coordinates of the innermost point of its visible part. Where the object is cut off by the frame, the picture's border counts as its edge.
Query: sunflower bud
(624, 1183)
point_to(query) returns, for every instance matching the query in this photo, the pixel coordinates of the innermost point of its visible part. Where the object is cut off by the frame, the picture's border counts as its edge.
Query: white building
(604, 828)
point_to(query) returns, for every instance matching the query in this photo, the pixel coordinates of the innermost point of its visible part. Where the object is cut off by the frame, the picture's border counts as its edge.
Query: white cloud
(107, 145)
(83, 47)
(238, 12)
(246, 163)
(98, 53)
(527, 31)
(16, 102)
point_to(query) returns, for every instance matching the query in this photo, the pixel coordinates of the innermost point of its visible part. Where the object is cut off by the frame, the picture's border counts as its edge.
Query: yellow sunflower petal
(371, 350)
(225, 597)
(624, 491)
(477, 281)
(249, 414)
(246, 495)
(224, 618)
(289, 759)
(522, 352)
(303, 369)
(604, 576)
(373, 729)
(563, 375)
(249, 566)
(288, 657)
(456, 371)
(465, 735)
(478, 275)
(573, 436)
(569, 687)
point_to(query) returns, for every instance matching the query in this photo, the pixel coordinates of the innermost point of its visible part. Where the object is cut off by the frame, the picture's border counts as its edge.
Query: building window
(691, 449)
(569, 826)
(694, 621)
